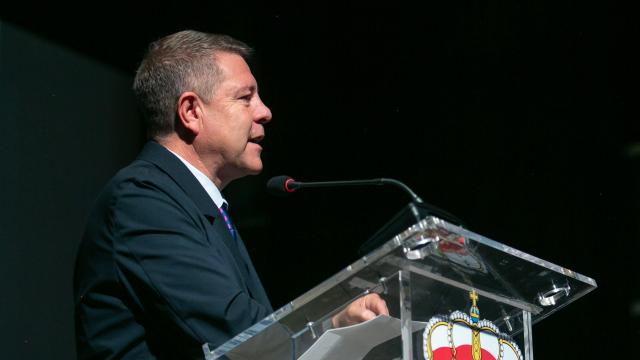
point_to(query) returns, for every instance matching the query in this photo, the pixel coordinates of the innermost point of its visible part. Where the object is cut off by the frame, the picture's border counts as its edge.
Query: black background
(518, 117)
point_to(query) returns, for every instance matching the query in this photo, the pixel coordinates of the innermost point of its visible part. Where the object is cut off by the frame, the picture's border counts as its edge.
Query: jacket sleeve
(182, 281)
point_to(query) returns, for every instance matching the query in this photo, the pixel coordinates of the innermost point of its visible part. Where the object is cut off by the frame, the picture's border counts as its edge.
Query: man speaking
(161, 268)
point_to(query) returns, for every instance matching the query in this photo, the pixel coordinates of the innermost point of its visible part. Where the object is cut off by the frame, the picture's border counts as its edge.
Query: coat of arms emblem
(465, 337)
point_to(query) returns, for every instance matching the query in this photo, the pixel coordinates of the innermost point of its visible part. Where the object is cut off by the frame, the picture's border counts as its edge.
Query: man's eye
(246, 97)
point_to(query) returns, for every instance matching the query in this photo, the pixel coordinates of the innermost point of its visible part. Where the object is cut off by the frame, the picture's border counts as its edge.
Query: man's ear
(190, 112)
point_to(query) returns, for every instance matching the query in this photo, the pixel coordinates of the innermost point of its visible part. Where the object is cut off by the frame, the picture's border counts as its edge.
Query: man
(161, 268)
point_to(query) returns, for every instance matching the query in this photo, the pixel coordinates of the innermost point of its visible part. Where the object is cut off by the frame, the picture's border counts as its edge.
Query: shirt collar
(206, 183)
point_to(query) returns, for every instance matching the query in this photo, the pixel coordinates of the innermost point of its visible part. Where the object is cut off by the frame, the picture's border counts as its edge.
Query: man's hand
(362, 309)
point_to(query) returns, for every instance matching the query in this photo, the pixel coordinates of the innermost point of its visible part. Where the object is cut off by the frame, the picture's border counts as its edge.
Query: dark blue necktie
(227, 220)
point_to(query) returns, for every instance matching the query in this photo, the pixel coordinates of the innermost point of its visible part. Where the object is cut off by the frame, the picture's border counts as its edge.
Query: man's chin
(253, 172)
(242, 169)
(230, 176)
(253, 169)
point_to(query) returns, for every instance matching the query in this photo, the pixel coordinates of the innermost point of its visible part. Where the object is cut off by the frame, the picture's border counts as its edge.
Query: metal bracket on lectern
(420, 249)
(550, 297)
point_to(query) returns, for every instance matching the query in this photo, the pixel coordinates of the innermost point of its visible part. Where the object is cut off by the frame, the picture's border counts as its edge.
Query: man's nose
(263, 113)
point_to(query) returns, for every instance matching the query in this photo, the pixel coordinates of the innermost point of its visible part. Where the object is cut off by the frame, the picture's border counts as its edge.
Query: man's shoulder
(142, 175)
(143, 180)
(140, 194)
(139, 170)
(155, 180)
(147, 168)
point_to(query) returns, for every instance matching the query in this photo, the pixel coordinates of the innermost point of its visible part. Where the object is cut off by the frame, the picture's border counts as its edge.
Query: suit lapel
(255, 286)
(175, 169)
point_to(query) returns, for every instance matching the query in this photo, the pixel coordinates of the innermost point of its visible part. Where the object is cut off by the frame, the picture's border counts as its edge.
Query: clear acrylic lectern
(451, 293)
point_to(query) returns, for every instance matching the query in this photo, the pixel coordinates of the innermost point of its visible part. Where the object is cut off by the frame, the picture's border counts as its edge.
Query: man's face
(233, 119)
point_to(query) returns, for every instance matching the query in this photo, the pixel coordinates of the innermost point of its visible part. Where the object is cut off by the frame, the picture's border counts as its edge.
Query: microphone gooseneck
(416, 210)
(284, 185)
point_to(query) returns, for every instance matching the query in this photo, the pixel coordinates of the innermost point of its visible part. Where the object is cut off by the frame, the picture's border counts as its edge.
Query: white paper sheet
(355, 341)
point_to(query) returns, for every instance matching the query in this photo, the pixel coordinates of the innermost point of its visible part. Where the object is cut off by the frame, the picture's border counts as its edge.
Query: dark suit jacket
(158, 273)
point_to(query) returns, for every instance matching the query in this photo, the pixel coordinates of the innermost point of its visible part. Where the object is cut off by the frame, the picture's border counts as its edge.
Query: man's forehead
(236, 87)
(235, 72)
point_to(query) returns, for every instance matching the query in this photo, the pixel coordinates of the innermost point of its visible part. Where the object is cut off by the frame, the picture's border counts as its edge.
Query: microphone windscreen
(277, 185)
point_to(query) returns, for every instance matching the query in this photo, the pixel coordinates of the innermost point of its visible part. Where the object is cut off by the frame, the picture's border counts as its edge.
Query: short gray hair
(184, 61)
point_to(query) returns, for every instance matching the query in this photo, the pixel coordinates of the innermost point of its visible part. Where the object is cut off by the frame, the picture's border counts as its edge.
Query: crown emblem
(465, 337)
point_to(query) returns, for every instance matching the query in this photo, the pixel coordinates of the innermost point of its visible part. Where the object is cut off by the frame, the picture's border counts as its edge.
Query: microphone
(283, 185)
(416, 210)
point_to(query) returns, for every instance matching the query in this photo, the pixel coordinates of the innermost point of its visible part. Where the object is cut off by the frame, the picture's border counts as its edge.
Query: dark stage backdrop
(519, 118)
(68, 123)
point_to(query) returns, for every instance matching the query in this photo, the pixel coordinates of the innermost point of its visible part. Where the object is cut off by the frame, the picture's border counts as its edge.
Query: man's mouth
(256, 139)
